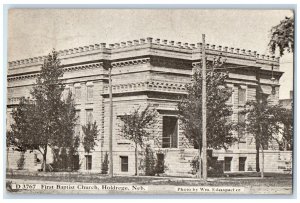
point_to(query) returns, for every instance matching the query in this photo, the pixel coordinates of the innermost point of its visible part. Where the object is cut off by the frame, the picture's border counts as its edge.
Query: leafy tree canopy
(282, 36)
(264, 121)
(91, 132)
(46, 119)
(136, 124)
(219, 128)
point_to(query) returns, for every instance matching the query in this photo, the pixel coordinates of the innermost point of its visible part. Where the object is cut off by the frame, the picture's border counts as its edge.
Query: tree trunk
(7, 161)
(262, 162)
(136, 160)
(45, 159)
(257, 157)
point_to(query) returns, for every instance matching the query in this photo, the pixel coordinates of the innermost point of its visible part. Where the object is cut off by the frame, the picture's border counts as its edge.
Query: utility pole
(204, 109)
(111, 169)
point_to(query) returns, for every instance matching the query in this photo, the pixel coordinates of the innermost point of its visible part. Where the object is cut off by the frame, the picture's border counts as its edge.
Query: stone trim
(66, 69)
(147, 86)
(22, 77)
(83, 67)
(130, 62)
(13, 100)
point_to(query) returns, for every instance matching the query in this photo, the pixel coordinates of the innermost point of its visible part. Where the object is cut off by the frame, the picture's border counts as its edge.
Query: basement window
(88, 162)
(242, 162)
(124, 163)
(227, 163)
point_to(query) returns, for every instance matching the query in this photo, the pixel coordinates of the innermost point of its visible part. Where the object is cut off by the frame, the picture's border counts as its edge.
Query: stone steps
(179, 162)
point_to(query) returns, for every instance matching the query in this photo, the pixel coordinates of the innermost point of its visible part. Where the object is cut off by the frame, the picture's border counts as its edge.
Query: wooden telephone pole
(111, 169)
(204, 146)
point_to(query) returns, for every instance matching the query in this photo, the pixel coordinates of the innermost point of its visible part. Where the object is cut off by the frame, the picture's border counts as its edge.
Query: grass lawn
(245, 180)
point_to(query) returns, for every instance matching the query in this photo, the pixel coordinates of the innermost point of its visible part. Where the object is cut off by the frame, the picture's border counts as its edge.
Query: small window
(242, 162)
(89, 93)
(88, 162)
(227, 163)
(242, 96)
(124, 163)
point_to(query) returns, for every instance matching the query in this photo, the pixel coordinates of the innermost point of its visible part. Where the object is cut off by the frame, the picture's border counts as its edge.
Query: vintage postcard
(150, 101)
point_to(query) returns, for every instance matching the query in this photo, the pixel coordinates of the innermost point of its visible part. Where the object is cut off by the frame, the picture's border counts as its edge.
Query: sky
(35, 32)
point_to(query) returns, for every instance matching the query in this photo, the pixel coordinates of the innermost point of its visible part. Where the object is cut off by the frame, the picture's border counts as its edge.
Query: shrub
(150, 162)
(214, 167)
(65, 160)
(104, 165)
(21, 161)
(195, 165)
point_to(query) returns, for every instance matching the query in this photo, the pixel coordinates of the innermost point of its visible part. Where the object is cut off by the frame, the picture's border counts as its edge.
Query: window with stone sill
(241, 130)
(89, 116)
(241, 96)
(230, 99)
(77, 125)
(89, 93)
(66, 92)
(77, 94)
(10, 119)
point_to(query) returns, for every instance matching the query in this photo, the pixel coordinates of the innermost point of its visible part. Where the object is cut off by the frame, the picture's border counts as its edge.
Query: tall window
(10, 119)
(77, 94)
(170, 132)
(89, 93)
(242, 95)
(66, 92)
(89, 116)
(77, 126)
(230, 99)
(124, 163)
(88, 162)
(241, 131)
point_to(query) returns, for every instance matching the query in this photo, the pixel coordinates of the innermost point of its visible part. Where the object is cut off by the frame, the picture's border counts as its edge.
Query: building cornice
(66, 69)
(148, 43)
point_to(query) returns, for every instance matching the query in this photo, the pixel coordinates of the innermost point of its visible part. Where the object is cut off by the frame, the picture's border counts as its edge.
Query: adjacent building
(155, 72)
